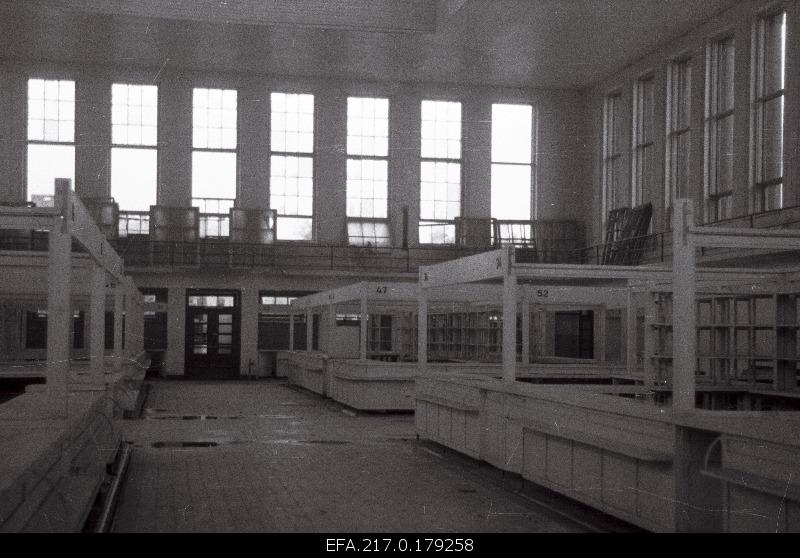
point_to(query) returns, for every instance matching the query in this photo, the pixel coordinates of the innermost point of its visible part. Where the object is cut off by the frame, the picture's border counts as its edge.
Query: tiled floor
(287, 460)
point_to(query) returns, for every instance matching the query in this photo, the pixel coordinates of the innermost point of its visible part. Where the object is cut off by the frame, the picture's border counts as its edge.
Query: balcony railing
(547, 246)
(208, 253)
(657, 247)
(134, 223)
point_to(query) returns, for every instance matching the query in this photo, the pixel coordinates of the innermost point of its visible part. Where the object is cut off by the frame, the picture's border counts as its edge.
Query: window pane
(134, 177)
(367, 188)
(45, 164)
(441, 130)
(51, 110)
(774, 41)
(292, 185)
(612, 158)
(367, 126)
(724, 155)
(214, 120)
(294, 228)
(725, 68)
(512, 128)
(437, 233)
(213, 174)
(440, 190)
(292, 123)
(134, 114)
(511, 192)
(772, 138)
(680, 95)
(368, 233)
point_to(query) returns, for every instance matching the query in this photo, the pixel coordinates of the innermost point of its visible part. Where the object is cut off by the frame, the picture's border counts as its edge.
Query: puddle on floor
(217, 417)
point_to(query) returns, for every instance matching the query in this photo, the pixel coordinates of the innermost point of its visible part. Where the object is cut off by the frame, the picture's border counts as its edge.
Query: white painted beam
(509, 328)
(85, 231)
(684, 309)
(480, 267)
(59, 314)
(630, 333)
(422, 330)
(744, 238)
(526, 330)
(363, 331)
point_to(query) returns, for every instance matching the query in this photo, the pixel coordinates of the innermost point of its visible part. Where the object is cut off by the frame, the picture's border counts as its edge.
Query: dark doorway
(574, 334)
(212, 334)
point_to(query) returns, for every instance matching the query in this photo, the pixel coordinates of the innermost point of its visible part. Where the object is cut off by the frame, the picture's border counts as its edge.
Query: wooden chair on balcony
(626, 231)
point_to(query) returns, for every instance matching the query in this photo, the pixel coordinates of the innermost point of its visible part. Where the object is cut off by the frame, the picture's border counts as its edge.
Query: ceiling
(568, 44)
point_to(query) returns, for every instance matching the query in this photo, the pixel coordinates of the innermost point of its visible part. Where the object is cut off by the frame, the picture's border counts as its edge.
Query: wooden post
(59, 314)
(526, 329)
(509, 327)
(291, 331)
(309, 330)
(649, 335)
(422, 330)
(118, 310)
(684, 328)
(364, 316)
(97, 321)
(630, 334)
(330, 338)
(601, 334)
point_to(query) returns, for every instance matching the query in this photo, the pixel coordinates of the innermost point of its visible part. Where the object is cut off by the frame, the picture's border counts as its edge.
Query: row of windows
(134, 159)
(767, 120)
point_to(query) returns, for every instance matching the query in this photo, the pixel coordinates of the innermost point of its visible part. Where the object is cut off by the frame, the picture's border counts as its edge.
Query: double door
(212, 335)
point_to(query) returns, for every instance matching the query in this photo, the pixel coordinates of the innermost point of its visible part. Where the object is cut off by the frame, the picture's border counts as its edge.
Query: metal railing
(284, 256)
(657, 247)
(133, 223)
(140, 251)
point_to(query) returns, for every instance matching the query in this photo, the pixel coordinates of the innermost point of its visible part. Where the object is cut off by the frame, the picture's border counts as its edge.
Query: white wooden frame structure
(501, 265)
(408, 294)
(69, 220)
(362, 292)
(686, 239)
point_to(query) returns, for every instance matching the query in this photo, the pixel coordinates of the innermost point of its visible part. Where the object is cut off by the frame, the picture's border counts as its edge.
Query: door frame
(236, 310)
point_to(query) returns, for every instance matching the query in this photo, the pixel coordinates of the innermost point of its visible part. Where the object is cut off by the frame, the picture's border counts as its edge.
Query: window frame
(759, 98)
(612, 154)
(360, 220)
(642, 164)
(508, 228)
(678, 88)
(299, 155)
(459, 161)
(28, 142)
(218, 218)
(132, 216)
(712, 196)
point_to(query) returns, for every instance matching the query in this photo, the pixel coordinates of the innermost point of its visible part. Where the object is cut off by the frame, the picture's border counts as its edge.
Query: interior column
(684, 341)
(59, 313)
(509, 328)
